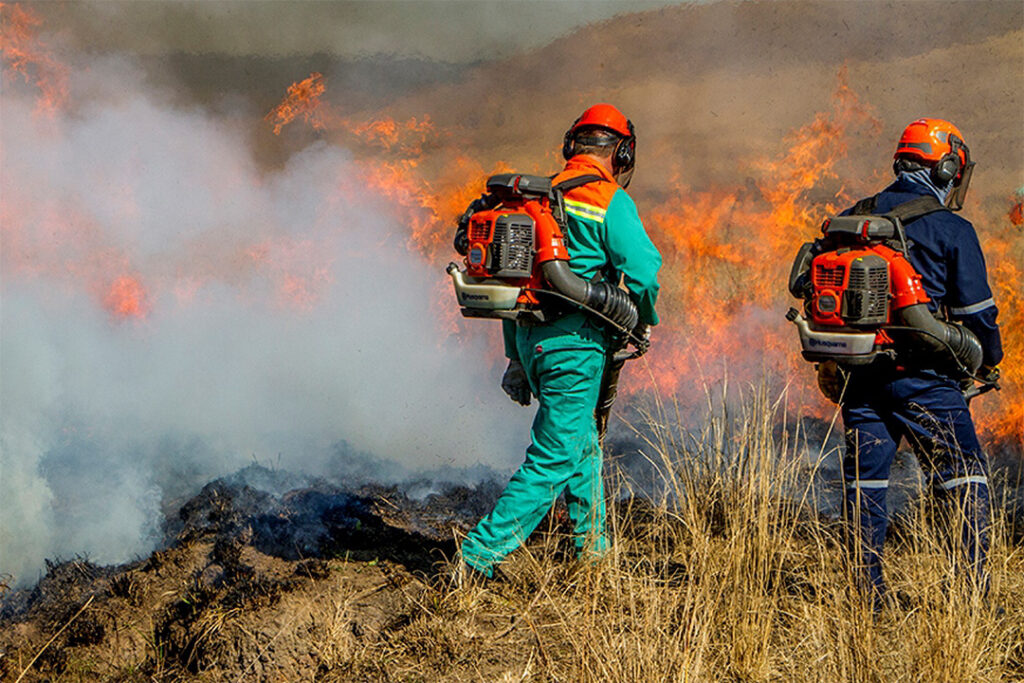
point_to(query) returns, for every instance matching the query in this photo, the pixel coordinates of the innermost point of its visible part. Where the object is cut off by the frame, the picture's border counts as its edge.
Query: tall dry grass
(731, 575)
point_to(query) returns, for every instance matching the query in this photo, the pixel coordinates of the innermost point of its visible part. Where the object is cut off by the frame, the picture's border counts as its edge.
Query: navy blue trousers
(928, 410)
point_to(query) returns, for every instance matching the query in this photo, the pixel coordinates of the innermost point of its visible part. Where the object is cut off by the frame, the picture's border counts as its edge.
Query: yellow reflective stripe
(581, 210)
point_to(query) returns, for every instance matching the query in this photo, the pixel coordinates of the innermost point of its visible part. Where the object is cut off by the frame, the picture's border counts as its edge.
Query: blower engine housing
(516, 255)
(863, 298)
(507, 246)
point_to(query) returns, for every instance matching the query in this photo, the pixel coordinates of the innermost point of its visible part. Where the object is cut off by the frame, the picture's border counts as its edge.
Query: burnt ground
(268, 576)
(241, 567)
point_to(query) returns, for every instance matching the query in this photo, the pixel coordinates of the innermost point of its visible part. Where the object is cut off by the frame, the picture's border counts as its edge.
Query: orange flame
(727, 251)
(1000, 415)
(23, 54)
(303, 100)
(1017, 209)
(126, 298)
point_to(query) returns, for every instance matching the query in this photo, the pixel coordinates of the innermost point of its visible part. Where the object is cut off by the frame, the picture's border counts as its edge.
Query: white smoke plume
(170, 311)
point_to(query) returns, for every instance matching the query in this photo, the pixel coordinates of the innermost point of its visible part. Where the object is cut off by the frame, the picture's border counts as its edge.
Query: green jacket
(605, 235)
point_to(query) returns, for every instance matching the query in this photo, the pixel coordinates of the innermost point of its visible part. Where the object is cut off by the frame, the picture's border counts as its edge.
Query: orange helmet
(604, 116)
(611, 119)
(931, 141)
(939, 145)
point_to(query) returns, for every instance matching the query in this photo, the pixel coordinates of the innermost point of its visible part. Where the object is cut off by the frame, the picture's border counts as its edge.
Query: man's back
(606, 238)
(945, 251)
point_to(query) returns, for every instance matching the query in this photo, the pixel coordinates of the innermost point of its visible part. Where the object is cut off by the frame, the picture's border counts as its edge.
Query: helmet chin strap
(623, 178)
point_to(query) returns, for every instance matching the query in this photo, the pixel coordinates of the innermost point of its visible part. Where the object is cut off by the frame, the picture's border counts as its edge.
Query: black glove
(515, 384)
(832, 380)
(641, 338)
(990, 375)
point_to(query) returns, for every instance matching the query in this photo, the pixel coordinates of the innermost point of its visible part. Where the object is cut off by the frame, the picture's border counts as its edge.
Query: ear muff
(624, 156)
(569, 142)
(949, 166)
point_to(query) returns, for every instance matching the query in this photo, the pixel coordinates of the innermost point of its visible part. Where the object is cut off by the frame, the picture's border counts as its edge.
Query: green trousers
(564, 361)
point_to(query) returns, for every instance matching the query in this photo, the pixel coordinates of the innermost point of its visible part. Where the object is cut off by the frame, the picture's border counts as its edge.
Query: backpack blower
(517, 265)
(517, 268)
(863, 299)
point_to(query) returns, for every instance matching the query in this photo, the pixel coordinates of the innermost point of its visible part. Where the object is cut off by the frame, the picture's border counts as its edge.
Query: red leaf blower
(517, 264)
(864, 299)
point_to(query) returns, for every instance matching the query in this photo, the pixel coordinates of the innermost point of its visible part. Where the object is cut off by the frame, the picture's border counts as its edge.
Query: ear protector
(950, 165)
(623, 156)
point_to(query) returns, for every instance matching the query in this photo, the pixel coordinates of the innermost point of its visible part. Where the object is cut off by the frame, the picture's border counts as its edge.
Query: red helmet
(930, 140)
(604, 116)
(611, 119)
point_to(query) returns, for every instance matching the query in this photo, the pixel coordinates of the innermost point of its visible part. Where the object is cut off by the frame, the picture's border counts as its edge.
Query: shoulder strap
(915, 208)
(573, 183)
(558, 191)
(865, 206)
(905, 212)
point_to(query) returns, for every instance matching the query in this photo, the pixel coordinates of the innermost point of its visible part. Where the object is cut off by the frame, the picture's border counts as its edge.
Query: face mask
(922, 177)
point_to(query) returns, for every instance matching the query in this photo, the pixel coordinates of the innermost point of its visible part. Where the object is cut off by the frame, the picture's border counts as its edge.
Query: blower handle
(976, 390)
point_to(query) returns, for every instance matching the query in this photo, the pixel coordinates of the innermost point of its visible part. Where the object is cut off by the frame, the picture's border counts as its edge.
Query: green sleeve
(633, 254)
(508, 332)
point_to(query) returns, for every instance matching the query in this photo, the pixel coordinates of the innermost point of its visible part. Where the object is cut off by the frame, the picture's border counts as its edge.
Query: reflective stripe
(868, 484)
(581, 210)
(960, 481)
(973, 308)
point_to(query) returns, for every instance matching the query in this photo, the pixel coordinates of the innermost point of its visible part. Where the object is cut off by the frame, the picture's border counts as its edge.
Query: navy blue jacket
(944, 249)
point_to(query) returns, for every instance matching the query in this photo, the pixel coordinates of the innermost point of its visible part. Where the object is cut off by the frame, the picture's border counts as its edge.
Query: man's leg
(870, 449)
(939, 424)
(584, 495)
(565, 374)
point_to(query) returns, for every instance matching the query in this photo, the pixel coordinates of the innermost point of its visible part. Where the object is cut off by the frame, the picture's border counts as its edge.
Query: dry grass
(732, 577)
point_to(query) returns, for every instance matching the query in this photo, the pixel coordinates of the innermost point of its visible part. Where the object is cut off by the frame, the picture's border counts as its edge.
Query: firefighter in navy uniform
(561, 361)
(884, 402)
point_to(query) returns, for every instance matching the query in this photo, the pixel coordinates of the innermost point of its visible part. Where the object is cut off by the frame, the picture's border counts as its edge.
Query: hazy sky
(449, 30)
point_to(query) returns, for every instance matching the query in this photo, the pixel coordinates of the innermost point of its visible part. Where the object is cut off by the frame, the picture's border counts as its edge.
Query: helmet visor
(955, 201)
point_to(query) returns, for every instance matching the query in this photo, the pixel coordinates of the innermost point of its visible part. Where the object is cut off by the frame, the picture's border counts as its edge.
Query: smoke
(349, 28)
(171, 312)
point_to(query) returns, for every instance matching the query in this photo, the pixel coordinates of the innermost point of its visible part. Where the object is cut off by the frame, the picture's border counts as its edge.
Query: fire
(727, 250)
(303, 100)
(1017, 209)
(24, 55)
(1000, 415)
(407, 137)
(126, 298)
(727, 255)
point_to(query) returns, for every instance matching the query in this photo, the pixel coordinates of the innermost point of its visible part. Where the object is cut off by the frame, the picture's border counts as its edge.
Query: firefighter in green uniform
(561, 361)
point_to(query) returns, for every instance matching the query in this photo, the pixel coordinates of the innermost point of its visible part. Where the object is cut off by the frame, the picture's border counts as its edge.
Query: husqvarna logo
(476, 297)
(827, 344)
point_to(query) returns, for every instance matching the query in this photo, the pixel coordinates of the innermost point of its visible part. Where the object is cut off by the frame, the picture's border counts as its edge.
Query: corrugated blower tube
(947, 342)
(601, 297)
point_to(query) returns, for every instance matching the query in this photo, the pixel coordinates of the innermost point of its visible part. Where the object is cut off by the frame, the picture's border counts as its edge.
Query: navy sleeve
(968, 295)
